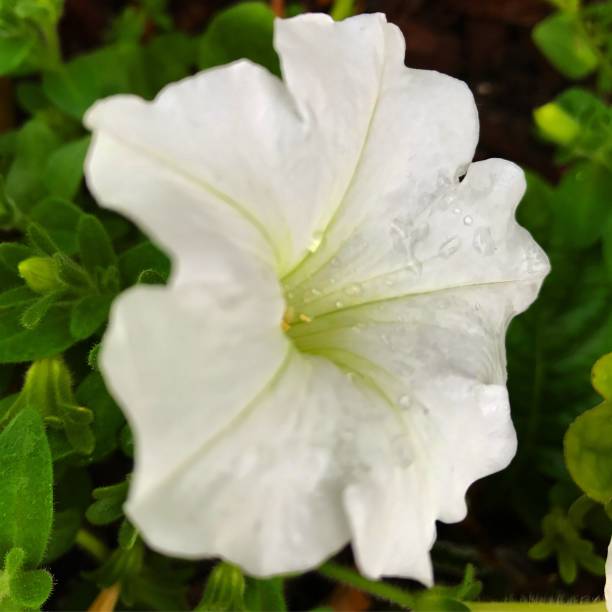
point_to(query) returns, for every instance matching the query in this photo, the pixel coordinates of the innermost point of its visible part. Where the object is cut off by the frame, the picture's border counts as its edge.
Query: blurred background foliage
(542, 76)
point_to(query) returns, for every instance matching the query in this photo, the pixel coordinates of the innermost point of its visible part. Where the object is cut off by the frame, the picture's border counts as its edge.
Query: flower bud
(40, 274)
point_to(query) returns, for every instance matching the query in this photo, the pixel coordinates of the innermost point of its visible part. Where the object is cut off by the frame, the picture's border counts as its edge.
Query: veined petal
(462, 234)
(161, 360)
(438, 360)
(283, 168)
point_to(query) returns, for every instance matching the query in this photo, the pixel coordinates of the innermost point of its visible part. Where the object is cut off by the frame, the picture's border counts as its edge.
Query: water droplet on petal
(467, 220)
(404, 401)
(339, 304)
(456, 211)
(315, 241)
(483, 241)
(449, 247)
(353, 290)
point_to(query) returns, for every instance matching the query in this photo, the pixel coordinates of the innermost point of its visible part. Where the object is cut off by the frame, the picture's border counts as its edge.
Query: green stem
(380, 590)
(342, 9)
(92, 545)
(537, 606)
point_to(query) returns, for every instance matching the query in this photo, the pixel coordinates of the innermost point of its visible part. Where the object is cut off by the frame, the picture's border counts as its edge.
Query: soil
(486, 43)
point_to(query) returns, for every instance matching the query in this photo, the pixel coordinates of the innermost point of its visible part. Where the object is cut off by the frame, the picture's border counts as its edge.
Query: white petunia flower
(327, 363)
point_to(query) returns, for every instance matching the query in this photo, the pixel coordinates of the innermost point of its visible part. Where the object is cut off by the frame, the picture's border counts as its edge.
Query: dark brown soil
(484, 42)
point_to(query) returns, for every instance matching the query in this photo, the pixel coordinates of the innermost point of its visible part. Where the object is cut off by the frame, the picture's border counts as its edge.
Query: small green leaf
(39, 238)
(88, 315)
(265, 594)
(601, 376)
(13, 51)
(24, 182)
(108, 421)
(64, 170)
(71, 274)
(108, 506)
(242, 31)
(583, 205)
(341, 9)
(75, 86)
(26, 493)
(564, 43)
(19, 296)
(66, 524)
(34, 314)
(95, 246)
(60, 219)
(224, 591)
(588, 452)
(555, 124)
(144, 256)
(31, 589)
(51, 336)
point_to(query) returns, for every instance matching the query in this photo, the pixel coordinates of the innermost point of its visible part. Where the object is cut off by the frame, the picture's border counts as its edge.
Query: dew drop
(449, 247)
(353, 290)
(315, 242)
(456, 211)
(483, 241)
(467, 220)
(339, 304)
(404, 401)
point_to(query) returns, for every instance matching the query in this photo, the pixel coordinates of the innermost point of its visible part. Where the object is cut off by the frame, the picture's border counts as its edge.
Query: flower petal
(438, 360)
(462, 234)
(160, 358)
(276, 165)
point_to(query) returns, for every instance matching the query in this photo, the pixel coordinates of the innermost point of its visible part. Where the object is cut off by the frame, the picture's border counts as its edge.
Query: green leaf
(95, 246)
(36, 141)
(40, 239)
(583, 205)
(60, 219)
(265, 594)
(34, 314)
(169, 58)
(341, 9)
(142, 257)
(108, 506)
(108, 421)
(26, 493)
(555, 124)
(18, 296)
(224, 589)
(71, 274)
(66, 524)
(64, 170)
(588, 452)
(242, 31)
(11, 253)
(75, 86)
(14, 49)
(31, 589)
(601, 376)
(51, 336)
(89, 314)
(563, 42)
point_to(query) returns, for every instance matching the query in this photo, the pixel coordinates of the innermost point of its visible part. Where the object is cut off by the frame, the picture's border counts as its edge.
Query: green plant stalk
(380, 590)
(538, 606)
(342, 9)
(93, 546)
